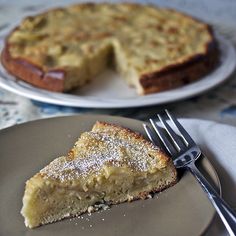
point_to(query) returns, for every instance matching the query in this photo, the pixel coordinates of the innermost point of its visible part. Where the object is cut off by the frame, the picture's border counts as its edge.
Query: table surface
(218, 104)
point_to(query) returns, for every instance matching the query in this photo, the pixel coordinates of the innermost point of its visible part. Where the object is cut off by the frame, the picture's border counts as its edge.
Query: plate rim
(116, 119)
(10, 83)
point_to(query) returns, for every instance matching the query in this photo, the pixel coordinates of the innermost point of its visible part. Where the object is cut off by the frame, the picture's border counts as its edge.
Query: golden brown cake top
(105, 150)
(151, 38)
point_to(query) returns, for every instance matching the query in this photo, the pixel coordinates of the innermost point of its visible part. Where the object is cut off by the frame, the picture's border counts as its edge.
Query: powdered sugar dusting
(110, 150)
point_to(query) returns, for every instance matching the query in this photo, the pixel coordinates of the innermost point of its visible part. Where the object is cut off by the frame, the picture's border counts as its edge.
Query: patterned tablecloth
(218, 104)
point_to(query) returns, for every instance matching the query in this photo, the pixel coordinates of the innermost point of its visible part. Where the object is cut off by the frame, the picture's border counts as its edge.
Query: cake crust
(26, 70)
(184, 73)
(167, 77)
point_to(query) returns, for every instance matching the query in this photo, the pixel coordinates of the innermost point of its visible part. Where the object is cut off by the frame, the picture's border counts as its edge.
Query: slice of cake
(109, 164)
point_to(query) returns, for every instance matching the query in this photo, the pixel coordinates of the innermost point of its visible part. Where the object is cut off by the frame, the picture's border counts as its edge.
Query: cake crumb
(90, 209)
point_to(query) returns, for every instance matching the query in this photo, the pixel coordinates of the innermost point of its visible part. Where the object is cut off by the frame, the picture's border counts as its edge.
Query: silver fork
(185, 152)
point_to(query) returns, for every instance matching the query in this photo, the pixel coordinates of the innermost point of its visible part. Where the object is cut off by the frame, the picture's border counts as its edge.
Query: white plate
(110, 91)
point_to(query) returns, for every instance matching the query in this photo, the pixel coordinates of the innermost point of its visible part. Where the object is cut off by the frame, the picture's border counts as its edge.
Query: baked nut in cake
(153, 49)
(109, 164)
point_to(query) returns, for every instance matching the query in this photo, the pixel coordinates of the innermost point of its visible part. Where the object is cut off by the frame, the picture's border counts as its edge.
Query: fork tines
(177, 142)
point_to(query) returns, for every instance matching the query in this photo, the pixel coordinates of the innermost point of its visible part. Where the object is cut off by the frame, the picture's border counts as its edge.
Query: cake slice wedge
(109, 164)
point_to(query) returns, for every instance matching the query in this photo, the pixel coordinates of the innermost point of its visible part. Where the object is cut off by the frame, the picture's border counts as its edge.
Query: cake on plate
(152, 48)
(109, 165)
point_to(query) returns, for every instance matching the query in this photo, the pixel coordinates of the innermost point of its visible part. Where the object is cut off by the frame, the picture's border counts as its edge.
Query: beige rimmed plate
(25, 149)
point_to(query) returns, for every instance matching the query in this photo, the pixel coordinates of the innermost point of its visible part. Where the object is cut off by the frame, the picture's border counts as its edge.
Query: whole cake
(109, 164)
(153, 49)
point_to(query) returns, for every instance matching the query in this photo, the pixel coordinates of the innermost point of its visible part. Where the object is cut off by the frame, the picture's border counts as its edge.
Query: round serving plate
(180, 210)
(110, 91)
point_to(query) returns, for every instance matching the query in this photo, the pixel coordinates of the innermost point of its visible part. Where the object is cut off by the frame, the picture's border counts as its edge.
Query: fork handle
(226, 213)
